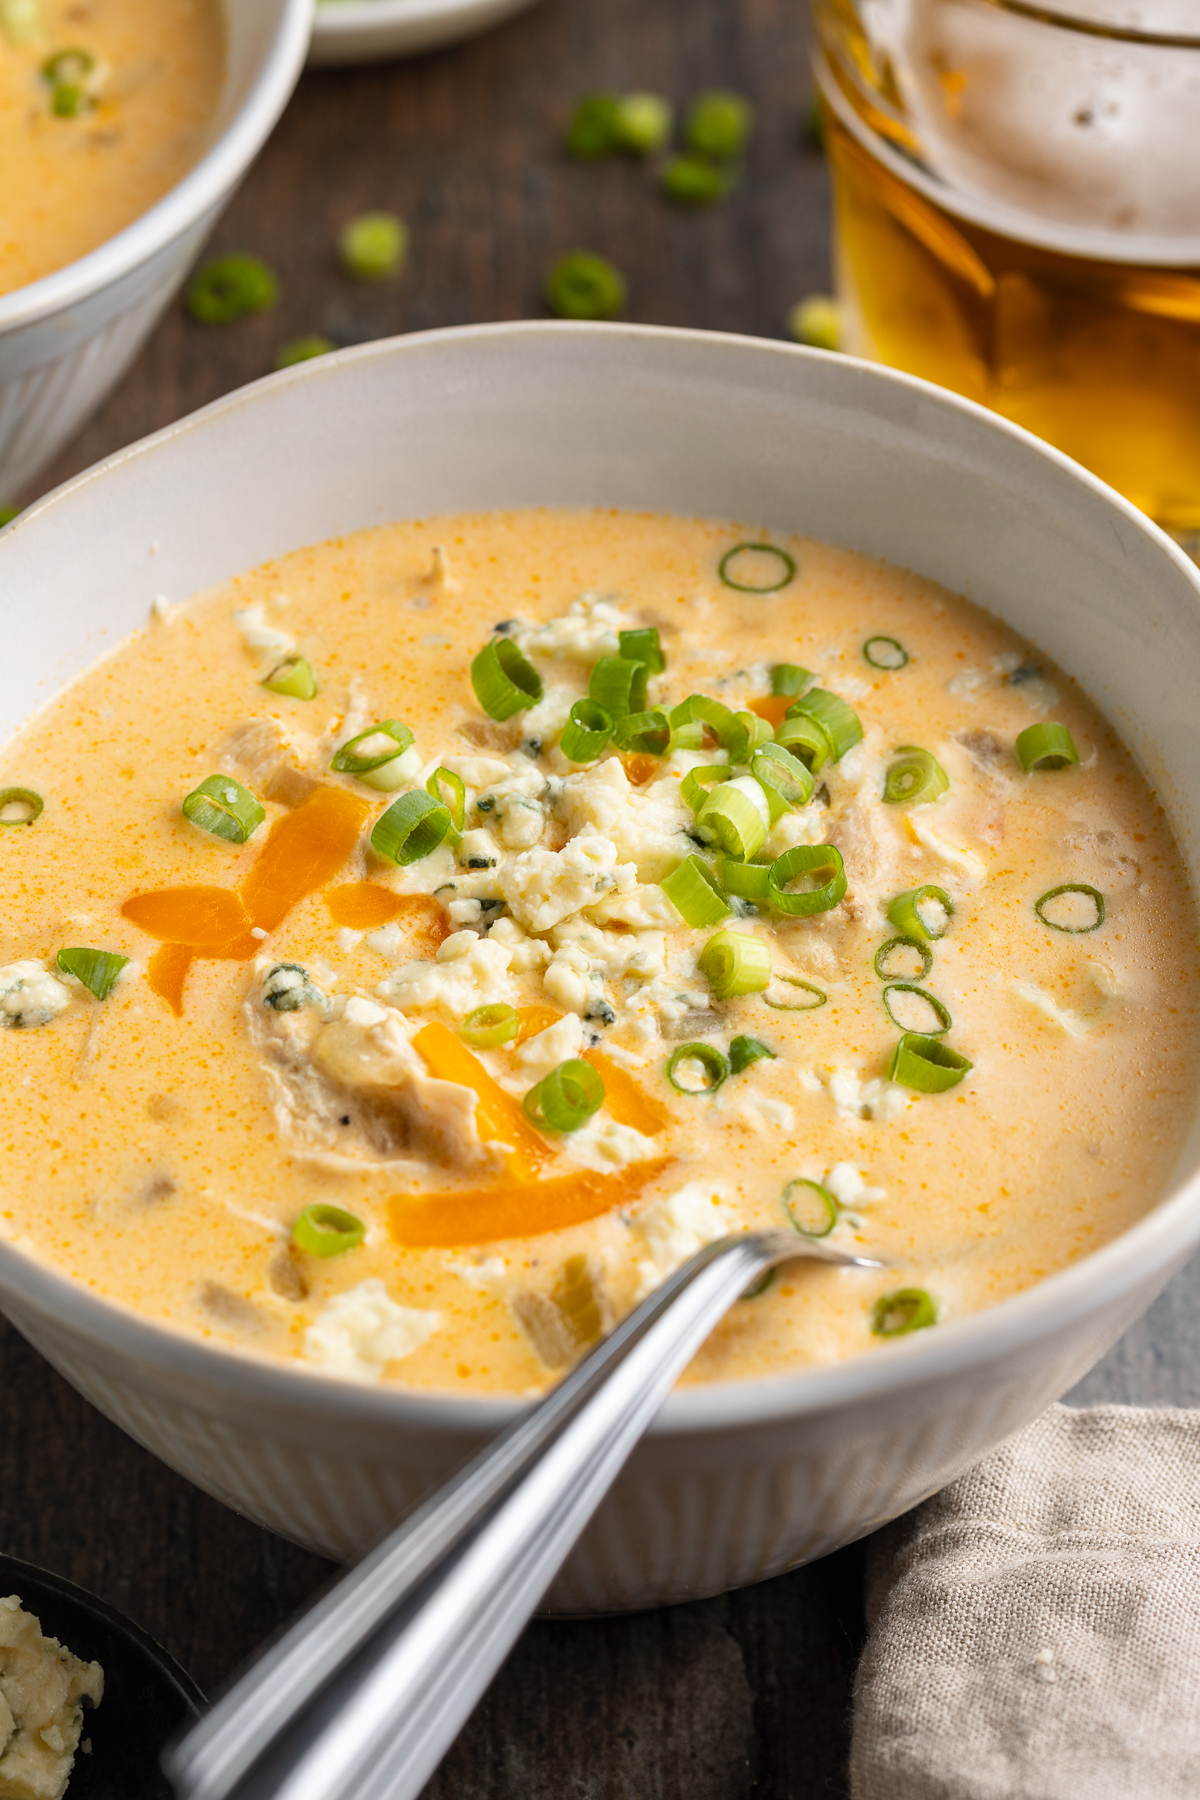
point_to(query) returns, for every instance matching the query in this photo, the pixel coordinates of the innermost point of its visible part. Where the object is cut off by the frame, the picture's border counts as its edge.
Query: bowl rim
(204, 186)
(1154, 1246)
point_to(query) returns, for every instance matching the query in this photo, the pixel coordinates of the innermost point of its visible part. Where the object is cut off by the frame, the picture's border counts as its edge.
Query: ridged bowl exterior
(66, 341)
(734, 1482)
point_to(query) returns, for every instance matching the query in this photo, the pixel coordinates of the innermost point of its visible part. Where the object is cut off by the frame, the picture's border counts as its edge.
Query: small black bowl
(147, 1696)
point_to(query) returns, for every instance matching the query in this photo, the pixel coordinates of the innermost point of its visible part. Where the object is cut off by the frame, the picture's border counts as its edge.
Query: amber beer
(1095, 350)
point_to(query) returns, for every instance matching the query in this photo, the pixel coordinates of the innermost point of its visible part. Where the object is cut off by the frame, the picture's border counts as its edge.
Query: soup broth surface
(104, 106)
(299, 1023)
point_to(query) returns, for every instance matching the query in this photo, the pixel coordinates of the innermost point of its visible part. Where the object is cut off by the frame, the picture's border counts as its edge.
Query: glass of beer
(1017, 217)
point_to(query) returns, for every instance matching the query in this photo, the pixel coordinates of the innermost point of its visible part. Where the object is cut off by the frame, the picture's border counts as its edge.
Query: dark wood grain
(746, 1695)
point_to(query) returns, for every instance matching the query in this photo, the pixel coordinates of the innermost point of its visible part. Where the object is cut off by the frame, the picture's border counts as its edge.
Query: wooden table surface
(748, 1694)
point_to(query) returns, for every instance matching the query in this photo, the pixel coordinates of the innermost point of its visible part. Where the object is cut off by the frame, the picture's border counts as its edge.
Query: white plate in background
(360, 31)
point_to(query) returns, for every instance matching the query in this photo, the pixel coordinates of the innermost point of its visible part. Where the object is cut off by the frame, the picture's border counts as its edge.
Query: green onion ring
(735, 963)
(1046, 746)
(327, 1231)
(346, 762)
(925, 1064)
(619, 686)
(731, 819)
(916, 779)
(566, 1098)
(789, 679)
(693, 789)
(649, 732)
(744, 1051)
(14, 796)
(815, 861)
(841, 724)
(490, 1026)
(96, 969)
(643, 646)
(748, 880)
(782, 777)
(907, 943)
(904, 913)
(504, 682)
(760, 1285)
(693, 892)
(293, 678)
(807, 740)
(806, 987)
(711, 1061)
(456, 805)
(699, 709)
(587, 731)
(228, 287)
(787, 569)
(1072, 887)
(909, 1309)
(885, 653)
(910, 987)
(225, 808)
(809, 1201)
(411, 828)
(749, 734)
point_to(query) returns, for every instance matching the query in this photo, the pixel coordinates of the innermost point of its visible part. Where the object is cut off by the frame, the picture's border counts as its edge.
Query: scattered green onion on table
(229, 287)
(373, 246)
(582, 285)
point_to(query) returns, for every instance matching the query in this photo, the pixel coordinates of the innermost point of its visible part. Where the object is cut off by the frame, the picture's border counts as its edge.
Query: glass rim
(1090, 25)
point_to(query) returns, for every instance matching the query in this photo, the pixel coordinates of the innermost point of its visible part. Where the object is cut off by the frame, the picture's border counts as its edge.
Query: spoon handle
(363, 1696)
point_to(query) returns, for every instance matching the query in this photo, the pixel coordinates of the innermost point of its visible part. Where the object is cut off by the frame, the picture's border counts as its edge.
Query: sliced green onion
(694, 181)
(303, 349)
(718, 124)
(8, 514)
(586, 733)
(746, 1050)
(909, 1309)
(818, 864)
(1074, 919)
(411, 827)
(817, 321)
(688, 737)
(748, 734)
(643, 646)
(885, 653)
(915, 778)
(1046, 746)
(21, 20)
(327, 1231)
(490, 1026)
(713, 1068)
(894, 946)
(619, 686)
(789, 679)
(228, 287)
(643, 123)
(449, 790)
(97, 969)
(772, 567)
(841, 723)
(593, 131)
(350, 760)
(811, 1208)
(910, 987)
(923, 913)
(761, 1285)
(20, 806)
(649, 732)
(294, 678)
(926, 1065)
(504, 682)
(807, 740)
(696, 784)
(782, 777)
(735, 818)
(734, 963)
(373, 246)
(223, 806)
(748, 880)
(819, 996)
(700, 709)
(566, 1098)
(582, 285)
(693, 892)
(67, 72)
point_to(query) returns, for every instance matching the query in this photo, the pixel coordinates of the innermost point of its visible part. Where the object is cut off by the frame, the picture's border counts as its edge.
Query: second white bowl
(362, 31)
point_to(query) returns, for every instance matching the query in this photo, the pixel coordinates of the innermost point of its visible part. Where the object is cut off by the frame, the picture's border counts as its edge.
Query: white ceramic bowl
(735, 1482)
(65, 341)
(362, 31)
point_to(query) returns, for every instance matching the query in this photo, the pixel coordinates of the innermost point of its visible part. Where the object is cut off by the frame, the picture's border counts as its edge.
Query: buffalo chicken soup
(417, 947)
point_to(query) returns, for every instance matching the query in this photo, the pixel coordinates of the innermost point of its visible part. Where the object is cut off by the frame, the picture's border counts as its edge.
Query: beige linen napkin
(1035, 1628)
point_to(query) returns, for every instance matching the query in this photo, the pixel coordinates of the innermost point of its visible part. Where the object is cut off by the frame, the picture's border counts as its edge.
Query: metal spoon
(363, 1696)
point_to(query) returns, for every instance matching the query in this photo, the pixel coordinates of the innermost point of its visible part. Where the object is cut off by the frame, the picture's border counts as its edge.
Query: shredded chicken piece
(560, 1324)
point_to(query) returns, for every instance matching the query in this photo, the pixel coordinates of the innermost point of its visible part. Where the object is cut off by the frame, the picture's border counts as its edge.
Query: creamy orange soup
(439, 1070)
(104, 105)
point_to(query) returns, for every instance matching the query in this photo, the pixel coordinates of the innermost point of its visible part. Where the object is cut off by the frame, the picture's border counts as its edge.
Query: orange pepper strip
(362, 905)
(534, 1019)
(303, 851)
(624, 1100)
(773, 708)
(167, 972)
(519, 1210)
(499, 1116)
(201, 917)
